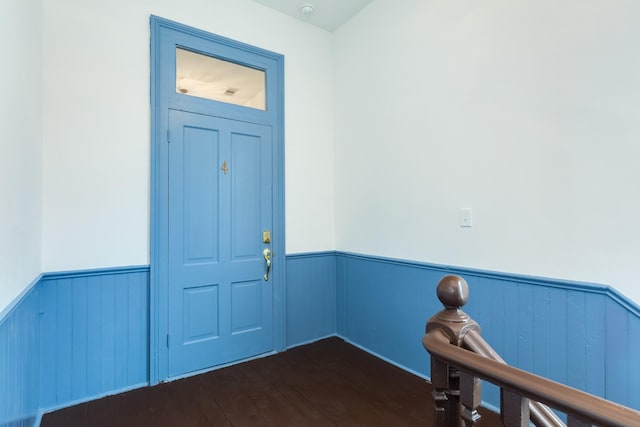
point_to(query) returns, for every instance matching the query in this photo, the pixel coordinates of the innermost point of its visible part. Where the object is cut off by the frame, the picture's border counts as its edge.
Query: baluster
(454, 410)
(440, 383)
(514, 409)
(470, 396)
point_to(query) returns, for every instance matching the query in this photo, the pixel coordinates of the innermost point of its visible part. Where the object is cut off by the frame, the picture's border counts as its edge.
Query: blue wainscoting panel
(94, 334)
(76, 336)
(584, 335)
(311, 297)
(383, 306)
(552, 329)
(633, 340)
(19, 369)
(622, 357)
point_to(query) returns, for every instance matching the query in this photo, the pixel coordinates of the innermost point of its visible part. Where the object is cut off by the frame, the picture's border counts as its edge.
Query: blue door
(217, 189)
(220, 205)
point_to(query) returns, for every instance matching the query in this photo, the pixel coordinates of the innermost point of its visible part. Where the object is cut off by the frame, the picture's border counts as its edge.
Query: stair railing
(461, 358)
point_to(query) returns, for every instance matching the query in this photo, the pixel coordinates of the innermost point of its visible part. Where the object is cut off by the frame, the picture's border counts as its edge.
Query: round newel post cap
(453, 291)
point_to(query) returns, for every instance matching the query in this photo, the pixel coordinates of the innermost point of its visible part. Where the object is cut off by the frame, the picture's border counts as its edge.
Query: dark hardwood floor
(327, 383)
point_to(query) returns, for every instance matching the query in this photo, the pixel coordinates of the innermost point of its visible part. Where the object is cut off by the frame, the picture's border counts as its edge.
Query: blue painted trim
(215, 368)
(155, 203)
(565, 284)
(279, 225)
(92, 397)
(311, 341)
(95, 272)
(484, 404)
(625, 302)
(304, 255)
(274, 115)
(386, 359)
(569, 285)
(6, 312)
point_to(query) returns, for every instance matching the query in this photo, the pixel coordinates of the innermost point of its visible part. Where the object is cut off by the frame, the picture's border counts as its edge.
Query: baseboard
(85, 399)
(386, 359)
(311, 341)
(484, 404)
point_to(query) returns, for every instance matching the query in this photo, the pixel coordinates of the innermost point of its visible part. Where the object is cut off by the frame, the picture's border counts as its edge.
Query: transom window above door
(212, 78)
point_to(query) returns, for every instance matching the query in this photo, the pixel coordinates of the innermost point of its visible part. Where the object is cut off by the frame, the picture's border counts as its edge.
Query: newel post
(453, 292)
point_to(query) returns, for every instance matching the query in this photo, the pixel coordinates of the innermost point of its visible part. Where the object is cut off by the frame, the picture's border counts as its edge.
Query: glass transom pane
(212, 78)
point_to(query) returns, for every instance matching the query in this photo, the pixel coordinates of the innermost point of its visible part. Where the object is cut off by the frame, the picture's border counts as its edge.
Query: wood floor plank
(197, 408)
(327, 383)
(250, 398)
(271, 371)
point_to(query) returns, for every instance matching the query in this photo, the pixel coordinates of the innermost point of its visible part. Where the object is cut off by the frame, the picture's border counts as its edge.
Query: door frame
(162, 32)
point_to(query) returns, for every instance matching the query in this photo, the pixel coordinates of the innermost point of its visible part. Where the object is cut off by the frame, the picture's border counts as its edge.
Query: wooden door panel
(220, 307)
(246, 188)
(200, 224)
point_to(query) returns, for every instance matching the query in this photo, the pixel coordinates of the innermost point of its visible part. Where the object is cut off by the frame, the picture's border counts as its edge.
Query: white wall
(528, 112)
(20, 145)
(97, 120)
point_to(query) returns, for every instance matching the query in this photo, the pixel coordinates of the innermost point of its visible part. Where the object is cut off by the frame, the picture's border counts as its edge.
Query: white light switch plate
(466, 219)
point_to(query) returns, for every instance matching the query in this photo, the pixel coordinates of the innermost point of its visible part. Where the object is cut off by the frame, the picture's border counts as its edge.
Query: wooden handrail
(452, 337)
(585, 406)
(541, 415)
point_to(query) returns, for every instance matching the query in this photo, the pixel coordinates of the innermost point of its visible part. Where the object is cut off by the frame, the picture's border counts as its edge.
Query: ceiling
(327, 14)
